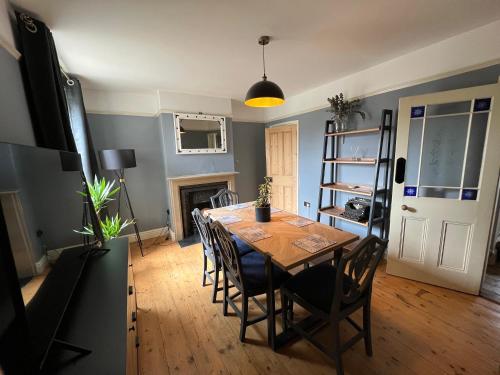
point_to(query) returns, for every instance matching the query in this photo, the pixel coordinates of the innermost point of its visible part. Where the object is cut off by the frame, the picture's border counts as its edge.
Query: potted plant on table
(341, 109)
(263, 202)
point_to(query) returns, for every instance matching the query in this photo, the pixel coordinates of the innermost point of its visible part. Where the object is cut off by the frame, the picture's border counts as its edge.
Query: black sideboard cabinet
(102, 317)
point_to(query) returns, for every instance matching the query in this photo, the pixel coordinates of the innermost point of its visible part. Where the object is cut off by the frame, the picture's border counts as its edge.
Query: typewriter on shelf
(358, 209)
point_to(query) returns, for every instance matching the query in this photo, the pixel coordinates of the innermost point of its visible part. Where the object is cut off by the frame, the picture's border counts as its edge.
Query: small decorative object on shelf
(355, 153)
(263, 202)
(342, 109)
(358, 209)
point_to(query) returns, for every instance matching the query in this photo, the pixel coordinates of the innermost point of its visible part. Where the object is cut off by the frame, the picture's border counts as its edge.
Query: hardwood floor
(417, 328)
(491, 284)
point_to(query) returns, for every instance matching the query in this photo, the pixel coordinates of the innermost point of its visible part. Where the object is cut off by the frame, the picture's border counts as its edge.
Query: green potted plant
(102, 192)
(341, 109)
(263, 202)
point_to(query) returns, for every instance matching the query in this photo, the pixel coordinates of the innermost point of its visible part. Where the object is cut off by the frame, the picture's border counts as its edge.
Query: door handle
(404, 207)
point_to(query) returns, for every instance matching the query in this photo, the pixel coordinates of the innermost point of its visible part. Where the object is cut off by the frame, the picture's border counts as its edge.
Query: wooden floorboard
(417, 328)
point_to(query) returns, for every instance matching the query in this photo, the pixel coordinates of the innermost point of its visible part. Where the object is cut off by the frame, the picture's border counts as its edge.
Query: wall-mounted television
(41, 210)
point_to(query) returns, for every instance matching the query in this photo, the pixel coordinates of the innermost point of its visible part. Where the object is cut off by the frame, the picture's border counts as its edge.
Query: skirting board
(41, 265)
(152, 233)
(54, 253)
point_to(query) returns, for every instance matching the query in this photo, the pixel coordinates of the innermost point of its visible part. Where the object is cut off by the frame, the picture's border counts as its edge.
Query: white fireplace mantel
(177, 182)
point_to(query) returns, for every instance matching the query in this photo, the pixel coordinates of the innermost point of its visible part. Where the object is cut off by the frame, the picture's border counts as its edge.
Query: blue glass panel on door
(469, 195)
(410, 191)
(482, 104)
(417, 111)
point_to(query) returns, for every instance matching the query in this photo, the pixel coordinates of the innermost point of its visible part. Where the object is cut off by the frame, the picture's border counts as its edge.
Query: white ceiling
(210, 47)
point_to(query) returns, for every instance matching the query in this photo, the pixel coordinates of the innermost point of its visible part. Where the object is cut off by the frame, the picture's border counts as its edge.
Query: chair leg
(225, 292)
(244, 316)
(367, 328)
(204, 279)
(337, 355)
(216, 284)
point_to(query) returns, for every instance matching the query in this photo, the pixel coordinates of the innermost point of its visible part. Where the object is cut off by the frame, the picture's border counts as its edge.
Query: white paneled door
(445, 181)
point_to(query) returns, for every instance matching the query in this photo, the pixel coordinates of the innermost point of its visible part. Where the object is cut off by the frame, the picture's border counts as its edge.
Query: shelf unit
(379, 189)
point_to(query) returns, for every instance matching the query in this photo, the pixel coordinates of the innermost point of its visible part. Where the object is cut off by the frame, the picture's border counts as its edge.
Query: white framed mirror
(199, 134)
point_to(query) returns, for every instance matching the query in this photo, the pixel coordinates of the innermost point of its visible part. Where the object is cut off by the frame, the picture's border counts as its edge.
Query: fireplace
(196, 196)
(176, 183)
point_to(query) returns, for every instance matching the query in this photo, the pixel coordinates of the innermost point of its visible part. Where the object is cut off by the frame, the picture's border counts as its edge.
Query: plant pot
(263, 214)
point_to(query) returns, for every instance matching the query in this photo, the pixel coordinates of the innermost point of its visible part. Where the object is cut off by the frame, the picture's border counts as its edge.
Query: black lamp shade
(264, 94)
(112, 160)
(70, 161)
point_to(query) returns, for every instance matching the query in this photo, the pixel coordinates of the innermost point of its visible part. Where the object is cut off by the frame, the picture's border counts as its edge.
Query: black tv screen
(42, 210)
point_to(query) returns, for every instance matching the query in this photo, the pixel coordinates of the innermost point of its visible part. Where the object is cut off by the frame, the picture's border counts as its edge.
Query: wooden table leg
(337, 254)
(271, 313)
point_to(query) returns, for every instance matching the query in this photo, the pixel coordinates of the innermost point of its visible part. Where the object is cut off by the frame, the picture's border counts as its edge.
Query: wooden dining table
(279, 249)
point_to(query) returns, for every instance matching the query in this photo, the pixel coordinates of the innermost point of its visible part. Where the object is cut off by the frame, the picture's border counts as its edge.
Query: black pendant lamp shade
(264, 93)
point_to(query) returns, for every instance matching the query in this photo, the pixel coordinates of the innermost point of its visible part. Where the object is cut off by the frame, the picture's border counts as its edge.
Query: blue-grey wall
(312, 124)
(154, 141)
(147, 182)
(15, 122)
(249, 158)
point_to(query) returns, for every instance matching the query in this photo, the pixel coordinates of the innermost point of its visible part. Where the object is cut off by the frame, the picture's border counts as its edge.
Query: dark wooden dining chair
(331, 294)
(247, 274)
(211, 251)
(224, 198)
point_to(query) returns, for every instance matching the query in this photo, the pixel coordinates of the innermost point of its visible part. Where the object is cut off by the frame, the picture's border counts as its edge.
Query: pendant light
(264, 93)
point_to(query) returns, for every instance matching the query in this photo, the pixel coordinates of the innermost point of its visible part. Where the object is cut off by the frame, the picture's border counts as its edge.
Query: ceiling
(209, 47)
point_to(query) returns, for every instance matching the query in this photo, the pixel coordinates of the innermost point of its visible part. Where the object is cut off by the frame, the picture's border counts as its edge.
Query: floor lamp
(117, 161)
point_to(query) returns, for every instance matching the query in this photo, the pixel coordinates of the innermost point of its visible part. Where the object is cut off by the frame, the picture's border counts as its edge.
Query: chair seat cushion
(316, 285)
(243, 247)
(254, 274)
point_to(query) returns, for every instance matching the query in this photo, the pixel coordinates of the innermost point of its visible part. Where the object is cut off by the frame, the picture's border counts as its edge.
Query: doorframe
(495, 217)
(297, 124)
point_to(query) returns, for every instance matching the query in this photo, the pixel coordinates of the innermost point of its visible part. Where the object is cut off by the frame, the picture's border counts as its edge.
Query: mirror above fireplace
(199, 134)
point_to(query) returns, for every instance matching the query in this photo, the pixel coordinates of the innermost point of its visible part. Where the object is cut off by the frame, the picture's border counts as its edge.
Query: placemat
(313, 243)
(239, 206)
(253, 234)
(299, 221)
(229, 219)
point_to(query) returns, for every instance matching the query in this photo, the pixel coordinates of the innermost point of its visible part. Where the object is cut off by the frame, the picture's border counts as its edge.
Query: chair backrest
(228, 252)
(224, 198)
(203, 225)
(359, 266)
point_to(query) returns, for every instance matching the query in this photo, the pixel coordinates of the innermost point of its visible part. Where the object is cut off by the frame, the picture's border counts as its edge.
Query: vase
(340, 124)
(263, 214)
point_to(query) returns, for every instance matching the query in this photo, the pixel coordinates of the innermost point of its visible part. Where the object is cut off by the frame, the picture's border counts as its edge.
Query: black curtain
(80, 127)
(44, 85)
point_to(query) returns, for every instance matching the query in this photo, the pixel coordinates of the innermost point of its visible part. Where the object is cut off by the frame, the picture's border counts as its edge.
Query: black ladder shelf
(378, 189)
